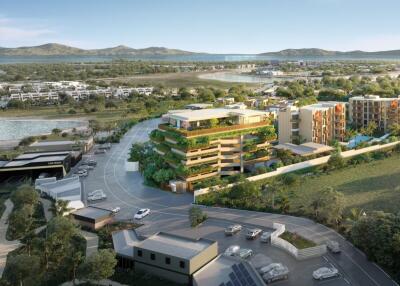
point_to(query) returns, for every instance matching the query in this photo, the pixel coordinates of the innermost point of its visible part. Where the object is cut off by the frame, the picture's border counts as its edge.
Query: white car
(116, 210)
(232, 250)
(232, 229)
(97, 197)
(253, 233)
(244, 253)
(142, 213)
(325, 272)
(270, 267)
(265, 237)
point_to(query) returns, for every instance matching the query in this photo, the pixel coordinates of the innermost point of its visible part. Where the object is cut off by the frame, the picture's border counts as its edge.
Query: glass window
(167, 260)
(182, 264)
(139, 253)
(152, 256)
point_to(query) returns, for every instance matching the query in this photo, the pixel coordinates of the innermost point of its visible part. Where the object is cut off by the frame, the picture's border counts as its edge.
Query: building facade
(202, 144)
(173, 257)
(371, 108)
(319, 123)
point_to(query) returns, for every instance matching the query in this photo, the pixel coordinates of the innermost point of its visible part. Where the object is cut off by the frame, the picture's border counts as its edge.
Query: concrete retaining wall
(299, 254)
(320, 161)
(131, 166)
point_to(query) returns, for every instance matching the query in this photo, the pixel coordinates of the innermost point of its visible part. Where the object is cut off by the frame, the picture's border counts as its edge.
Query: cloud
(14, 31)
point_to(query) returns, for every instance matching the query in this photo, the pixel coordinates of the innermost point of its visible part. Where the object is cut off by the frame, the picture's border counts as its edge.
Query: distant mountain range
(53, 49)
(326, 53)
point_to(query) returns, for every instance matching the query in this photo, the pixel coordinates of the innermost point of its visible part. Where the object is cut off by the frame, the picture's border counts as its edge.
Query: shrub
(196, 216)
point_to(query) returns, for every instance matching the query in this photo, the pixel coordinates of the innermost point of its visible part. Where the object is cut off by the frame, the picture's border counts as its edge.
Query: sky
(213, 26)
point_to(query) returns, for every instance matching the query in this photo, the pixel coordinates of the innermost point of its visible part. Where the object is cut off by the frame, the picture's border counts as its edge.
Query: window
(182, 264)
(167, 260)
(152, 256)
(139, 253)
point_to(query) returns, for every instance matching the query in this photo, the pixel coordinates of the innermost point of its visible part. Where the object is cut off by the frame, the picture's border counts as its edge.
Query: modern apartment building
(371, 108)
(319, 123)
(201, 144)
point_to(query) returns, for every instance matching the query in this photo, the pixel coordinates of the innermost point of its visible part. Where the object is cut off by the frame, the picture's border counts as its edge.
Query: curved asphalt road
(169, 211)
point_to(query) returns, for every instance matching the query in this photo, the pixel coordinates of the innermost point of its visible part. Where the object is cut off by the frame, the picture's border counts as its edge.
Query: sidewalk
(5, 245)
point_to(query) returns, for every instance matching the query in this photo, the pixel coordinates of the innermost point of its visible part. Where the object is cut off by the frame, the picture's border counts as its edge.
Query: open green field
(369, 186)
(176, 80)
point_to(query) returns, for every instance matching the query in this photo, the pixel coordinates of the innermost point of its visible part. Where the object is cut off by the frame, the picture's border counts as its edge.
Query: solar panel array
(239, 276)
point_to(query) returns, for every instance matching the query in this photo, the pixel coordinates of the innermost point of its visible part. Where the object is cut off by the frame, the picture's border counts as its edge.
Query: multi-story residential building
(371, 108)
(319, 123)
(202, 144)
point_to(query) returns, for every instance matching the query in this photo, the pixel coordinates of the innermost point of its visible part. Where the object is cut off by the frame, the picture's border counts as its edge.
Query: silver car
(265, 237)
(333, 246)
(279, 273)
(233, 229)
(325, 272)
(244, 253)
(232, 250)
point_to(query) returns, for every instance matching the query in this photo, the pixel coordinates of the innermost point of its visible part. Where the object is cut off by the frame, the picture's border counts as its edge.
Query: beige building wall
(306, 125)
(286, 124)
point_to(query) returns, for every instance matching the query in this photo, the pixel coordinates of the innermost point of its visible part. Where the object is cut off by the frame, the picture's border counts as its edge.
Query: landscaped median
(297, 246)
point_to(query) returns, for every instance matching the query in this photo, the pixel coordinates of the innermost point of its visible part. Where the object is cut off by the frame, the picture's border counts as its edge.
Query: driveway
(5, 245)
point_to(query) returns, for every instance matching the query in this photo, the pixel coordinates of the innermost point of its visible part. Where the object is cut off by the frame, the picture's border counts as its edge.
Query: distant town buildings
(52, 91)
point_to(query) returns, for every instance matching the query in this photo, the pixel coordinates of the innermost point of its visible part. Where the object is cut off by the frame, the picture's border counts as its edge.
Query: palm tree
(60, 207)
(355, 215)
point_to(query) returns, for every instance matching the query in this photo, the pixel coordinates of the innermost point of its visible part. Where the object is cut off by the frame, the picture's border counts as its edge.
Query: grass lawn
(177, 80)
(370, 186)
(297, 240)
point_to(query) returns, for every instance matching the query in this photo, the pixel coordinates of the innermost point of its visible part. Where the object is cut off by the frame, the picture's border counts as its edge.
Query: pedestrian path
(5, 245)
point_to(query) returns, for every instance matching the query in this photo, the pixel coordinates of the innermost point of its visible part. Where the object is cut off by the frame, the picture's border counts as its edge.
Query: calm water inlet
(11, 129)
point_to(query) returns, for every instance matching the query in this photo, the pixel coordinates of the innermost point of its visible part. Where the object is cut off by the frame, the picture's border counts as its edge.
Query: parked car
(233, 229)
(100, 151)
(92, 163)
(116, 210)
(269, 267)
(97, 197)
(253, 233)
(82, 173)
(325, 272)
(232, 250)
(244, 253)
(105, 146)
(95, 192)
(279, 273)
(142, 213)
(333, 246)
(265, 237)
